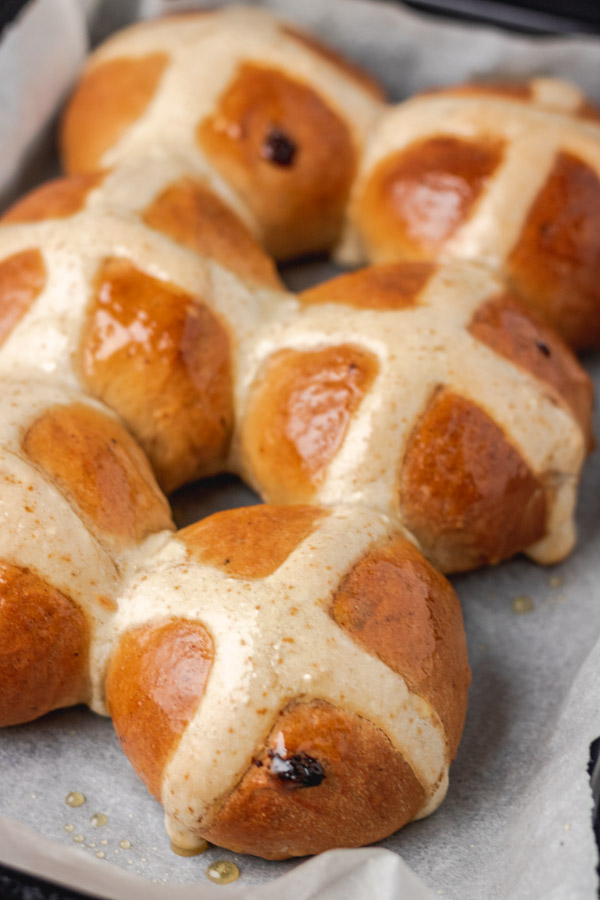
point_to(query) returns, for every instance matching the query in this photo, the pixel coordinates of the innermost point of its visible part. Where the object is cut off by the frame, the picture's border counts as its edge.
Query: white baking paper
(40, 54)
(517, 819)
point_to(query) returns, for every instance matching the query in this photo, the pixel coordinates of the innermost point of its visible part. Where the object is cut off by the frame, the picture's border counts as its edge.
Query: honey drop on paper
(125, 844)
(523, 604)
(69, 827)
(75, 799)
(223, 871)
(189, 851)
(79, 839)
(99, 819)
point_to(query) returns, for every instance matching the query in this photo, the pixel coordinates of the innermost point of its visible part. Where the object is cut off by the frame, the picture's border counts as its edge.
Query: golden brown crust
(396, 606)
(107, 100)
(274, 139)
(195, 217)
(368, 791)
(518, 334)
(22, 279)
(96, 464)
(510, 90)
(417, 197)
(363, 78)
(299, 416)
(155, 681)
(387, 286)
(253, 541)
(43, 647)
(161, 359)
(466, 493)
(57, 199)
(555, 262)
(589, 111)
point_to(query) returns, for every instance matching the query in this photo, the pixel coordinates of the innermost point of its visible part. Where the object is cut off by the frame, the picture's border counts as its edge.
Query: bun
(314, 696)
(278, 127)
(293, 676)
(508, 174)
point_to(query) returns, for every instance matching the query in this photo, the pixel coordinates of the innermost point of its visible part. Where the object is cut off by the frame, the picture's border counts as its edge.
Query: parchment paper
(517, 819)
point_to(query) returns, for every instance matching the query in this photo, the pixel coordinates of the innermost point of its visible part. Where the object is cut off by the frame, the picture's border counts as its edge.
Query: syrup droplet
(187, 851)
(79, 839)
(523, 604)
(100, 854)
(223, 871)
(555, 581)
(104, 842)
(69, 827)
(99, 819)
(75, 798)
(125, 844)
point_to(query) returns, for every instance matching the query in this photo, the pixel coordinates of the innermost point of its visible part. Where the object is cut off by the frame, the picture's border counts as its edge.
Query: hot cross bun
(288, 679)
(278, 126)
(508, 174)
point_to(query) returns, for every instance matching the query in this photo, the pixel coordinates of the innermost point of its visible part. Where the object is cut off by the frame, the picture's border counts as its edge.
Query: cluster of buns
(293, 676)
